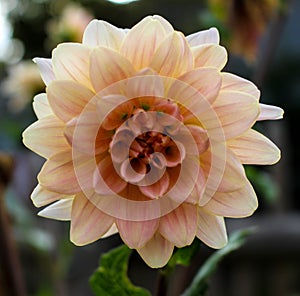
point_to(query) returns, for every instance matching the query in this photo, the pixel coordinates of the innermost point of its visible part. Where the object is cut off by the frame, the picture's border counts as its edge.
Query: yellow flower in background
(247, 21)
(22, 83)
(144, 135)
(69, 26)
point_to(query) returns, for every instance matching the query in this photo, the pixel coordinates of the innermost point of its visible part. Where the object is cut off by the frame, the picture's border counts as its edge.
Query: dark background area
(269, 263)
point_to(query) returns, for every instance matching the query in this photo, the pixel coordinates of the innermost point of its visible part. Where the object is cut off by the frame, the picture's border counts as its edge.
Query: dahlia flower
(145, 136)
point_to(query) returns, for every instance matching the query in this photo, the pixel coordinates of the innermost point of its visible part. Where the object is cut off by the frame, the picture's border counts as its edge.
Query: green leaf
(183, 256)
(199, 284)
(111, 279)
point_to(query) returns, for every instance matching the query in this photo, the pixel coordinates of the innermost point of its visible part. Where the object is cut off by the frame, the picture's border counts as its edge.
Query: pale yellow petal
(71, 62)
(108, 66)
(68, 98)
(233, 113)
(58, 174)
(60, 210)
(157, 252)
(269, 112)
(231, 82)
(142, 41)
(173, 57)
(254, 148)
(46, 136)
(111, 231)
(204, 37)
(210, 55)
(179, 226)
(101, 33)
(211, 229)
(236, 204)
(41, 106)
(46, 69)
(136, 234)
(41, 197)
(88, 223)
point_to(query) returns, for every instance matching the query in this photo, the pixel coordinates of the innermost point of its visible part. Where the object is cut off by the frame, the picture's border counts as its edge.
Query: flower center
(146, 144)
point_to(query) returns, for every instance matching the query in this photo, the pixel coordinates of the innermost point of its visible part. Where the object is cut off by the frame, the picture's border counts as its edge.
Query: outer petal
(58, 174)
(173, 57)
(235, 111)
(231, 82)
(236, 204)
(68, 98)
(210, 55)
(137, 234)
(46, 70)
(108, 66)
(88, 223)
(41, 106)
(41, 197)
(157, 252)
(111, 231)
(269, 112)
(60, 210)
(101, 33)
(206, 81)
(204, 37)
(65, 68)
(46, 136)
(179, 226)
(254, 148)
(211, 229)
(223, 172)
(142, 41)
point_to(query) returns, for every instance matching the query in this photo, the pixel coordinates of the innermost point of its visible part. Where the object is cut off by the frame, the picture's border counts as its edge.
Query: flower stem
(162, 284)
(12, 274)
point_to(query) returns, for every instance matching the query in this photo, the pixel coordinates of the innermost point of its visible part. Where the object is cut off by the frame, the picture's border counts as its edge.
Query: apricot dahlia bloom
(145, 136)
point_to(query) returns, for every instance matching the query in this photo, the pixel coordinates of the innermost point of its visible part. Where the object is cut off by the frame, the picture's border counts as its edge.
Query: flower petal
(136, 234)
(41, 197)
(46, 70)
(204, 37)
(68, 98)
(111, 231)
(157, 189)
(211, 229)
(145, 83)
(106, 180)
(225, 169)
(179, 226)
(108, 66)
(41, 106)
(196, 195)
(254, 148)
(206, 81)
(142, 41)
(88, 223)
(58, 174)
(46, 136)
(233, 113)
(60, 210)
(269, 112)
(173, 57)
(157, 252)
(71, 62)
(101, 33)
(236, 204)
(210, 55)
(231, 82)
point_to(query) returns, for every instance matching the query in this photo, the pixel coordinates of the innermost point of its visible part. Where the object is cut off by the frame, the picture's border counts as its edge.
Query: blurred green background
(262, 38)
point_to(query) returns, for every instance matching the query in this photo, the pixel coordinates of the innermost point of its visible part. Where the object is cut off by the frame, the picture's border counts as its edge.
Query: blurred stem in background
(12, 282)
